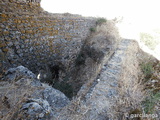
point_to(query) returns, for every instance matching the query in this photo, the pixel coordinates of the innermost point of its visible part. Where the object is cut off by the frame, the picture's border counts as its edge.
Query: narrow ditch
(86, 68)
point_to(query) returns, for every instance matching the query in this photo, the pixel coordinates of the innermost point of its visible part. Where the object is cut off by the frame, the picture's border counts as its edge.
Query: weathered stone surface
(55, 97)
(37, 109)
(102, 90)
(43, 101)
(32, 37)
(45, 35)
(102, 97)
(14, 74)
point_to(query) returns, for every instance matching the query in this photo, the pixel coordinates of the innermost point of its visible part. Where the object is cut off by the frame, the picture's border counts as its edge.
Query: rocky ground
(25, 97)
(116, 93)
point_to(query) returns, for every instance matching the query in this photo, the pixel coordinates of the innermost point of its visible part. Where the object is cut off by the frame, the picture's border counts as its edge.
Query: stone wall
(32, 37)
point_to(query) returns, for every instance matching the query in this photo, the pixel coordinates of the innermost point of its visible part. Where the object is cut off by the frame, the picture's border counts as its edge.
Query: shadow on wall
(56, 76)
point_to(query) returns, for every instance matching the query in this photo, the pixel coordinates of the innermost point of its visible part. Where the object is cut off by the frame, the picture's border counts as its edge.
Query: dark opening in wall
(55, 72)
(56, 76)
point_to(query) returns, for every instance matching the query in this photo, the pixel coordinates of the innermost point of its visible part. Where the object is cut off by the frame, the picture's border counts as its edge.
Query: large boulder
(37, 109)
(34, 100)
(19, 72)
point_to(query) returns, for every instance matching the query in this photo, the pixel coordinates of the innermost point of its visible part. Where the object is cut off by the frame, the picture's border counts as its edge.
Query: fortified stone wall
(32, 37)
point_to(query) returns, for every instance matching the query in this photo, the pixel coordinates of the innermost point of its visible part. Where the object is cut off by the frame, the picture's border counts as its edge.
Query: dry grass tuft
(12, 96)
(131, 91)
(106, 34)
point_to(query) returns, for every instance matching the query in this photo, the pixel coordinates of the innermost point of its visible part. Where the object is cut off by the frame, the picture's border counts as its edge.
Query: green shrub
(151, 102)
(147, 69)
(100, 21)
(92, 29)
(80, 60)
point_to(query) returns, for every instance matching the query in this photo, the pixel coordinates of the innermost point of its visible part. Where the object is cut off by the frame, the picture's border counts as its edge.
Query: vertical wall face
(31, 37)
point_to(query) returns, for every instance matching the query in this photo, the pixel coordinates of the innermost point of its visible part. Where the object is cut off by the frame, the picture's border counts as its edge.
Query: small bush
(151, 102)
(92, 29)
(100, 21)
(80, 60)
(147, 69)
